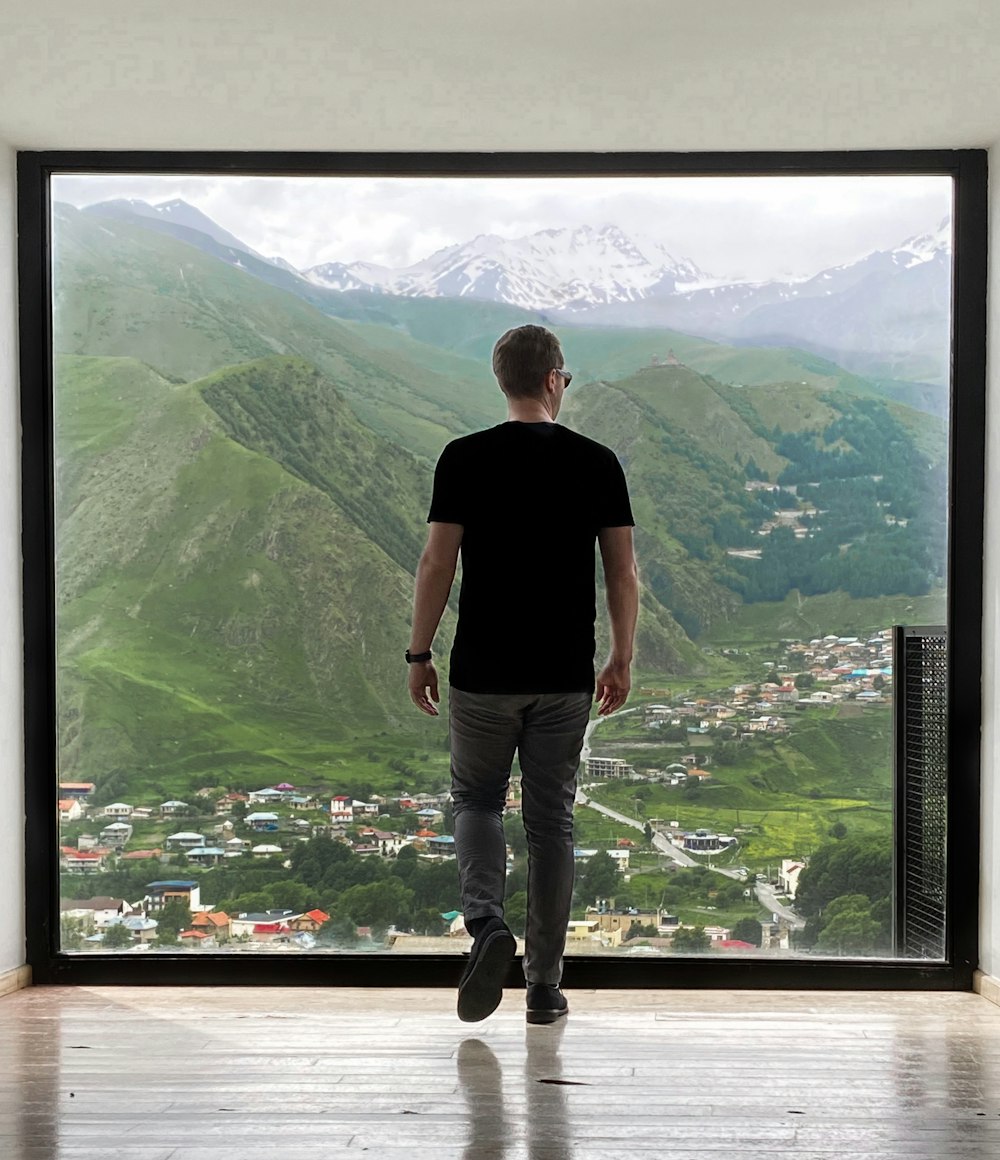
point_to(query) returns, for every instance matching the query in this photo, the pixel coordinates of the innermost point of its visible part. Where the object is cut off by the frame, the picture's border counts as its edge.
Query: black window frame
(967, 168)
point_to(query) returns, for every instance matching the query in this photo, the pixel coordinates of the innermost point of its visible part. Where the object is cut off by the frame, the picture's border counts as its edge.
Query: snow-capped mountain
(566, 270)
(886, 314)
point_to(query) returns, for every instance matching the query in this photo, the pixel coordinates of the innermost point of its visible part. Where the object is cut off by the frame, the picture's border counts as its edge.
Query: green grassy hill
(235, 578)
(124, 291)
(217, 611)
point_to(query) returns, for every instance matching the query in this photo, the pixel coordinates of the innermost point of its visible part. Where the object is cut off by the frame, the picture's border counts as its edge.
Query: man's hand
(613, 684)
(423, 679)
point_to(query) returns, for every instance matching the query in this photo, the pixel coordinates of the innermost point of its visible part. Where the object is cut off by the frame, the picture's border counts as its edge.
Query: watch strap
(418, 658)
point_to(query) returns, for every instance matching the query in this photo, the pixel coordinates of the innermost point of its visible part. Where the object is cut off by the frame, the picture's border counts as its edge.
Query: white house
(70, 810)
(268, 796)
(789, 875)
(118, 810)
(341, 809)
(117, 834)
(262, 821)
(185, 840)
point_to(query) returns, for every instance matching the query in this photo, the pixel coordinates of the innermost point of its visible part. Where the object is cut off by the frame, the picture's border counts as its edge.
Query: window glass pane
(254, 378)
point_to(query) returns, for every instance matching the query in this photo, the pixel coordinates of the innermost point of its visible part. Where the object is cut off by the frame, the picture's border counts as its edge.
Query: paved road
(767, 899)
(765, 894)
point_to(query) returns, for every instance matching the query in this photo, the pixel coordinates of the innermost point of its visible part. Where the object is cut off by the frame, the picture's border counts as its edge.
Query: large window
(252, 375)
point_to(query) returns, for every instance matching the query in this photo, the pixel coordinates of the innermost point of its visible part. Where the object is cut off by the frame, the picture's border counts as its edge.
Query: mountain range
(886, 315)
(242, 480)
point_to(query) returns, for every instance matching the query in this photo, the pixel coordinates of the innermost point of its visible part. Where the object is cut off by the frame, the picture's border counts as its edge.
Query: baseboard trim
(987, 986)
(15, 979)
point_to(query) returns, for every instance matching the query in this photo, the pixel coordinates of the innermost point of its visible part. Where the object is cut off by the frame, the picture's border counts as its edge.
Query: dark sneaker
(546, 1003)
(481, 987)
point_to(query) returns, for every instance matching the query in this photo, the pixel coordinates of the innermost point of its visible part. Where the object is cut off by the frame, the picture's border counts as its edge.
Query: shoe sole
(479, 995)
(546, 1016)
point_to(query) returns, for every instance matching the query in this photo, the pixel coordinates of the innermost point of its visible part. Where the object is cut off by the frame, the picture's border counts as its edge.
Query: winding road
(765, 894)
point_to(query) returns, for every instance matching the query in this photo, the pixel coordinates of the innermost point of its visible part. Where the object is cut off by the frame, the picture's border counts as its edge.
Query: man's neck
(529, 414)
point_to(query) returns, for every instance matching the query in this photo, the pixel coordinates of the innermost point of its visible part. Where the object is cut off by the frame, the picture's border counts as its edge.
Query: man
(525, 501)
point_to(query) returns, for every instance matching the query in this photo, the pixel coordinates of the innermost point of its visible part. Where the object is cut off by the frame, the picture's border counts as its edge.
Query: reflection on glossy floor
(128, 1073)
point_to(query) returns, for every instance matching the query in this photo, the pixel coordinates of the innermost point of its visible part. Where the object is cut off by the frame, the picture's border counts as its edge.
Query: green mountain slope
(124, 291)
(673, 483)
(215, 610)
(235, 573)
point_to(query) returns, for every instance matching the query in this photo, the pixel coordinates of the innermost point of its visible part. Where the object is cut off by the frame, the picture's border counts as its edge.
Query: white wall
(11, 766)
(436, 75)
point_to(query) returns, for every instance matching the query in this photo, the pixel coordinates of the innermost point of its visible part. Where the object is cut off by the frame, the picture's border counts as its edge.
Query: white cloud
(754, 227)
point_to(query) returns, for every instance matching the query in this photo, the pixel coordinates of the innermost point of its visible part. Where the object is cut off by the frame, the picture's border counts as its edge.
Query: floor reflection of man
(546, 1121)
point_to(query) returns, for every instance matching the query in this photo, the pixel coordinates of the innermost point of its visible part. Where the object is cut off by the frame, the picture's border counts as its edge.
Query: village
(266, 823)
(603, 927)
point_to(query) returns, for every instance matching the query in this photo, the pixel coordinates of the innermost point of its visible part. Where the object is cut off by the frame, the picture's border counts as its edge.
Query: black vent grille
(920, 774)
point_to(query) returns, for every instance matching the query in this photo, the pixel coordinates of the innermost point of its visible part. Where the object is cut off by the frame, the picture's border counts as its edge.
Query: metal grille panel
(920, 774)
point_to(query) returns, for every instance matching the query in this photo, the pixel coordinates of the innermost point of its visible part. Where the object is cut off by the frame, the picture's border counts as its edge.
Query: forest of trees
(862, 468)
(845, 894)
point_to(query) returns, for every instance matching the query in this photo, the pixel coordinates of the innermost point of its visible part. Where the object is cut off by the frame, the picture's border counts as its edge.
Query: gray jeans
(547, 730)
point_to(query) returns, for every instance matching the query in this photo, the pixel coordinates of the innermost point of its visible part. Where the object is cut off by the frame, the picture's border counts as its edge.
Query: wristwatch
(418, 658)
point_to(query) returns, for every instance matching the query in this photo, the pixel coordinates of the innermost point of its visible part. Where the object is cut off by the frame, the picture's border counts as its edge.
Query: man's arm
(621, 582)
(435, 574)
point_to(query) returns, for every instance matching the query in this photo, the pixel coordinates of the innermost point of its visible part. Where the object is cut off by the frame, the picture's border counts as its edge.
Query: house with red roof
(341, 809)
(212, 922)
(311, 921)
(70, 809)
(82, 861)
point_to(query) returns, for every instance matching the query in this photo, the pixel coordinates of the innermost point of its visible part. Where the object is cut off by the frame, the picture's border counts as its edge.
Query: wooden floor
(128, 1073)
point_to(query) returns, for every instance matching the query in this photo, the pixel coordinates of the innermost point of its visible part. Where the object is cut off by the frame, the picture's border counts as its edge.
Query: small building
(116, 835)
(268, 796)
(119, 810)
(98, 912)
(789, 875)
(206, 855)
(262, 821)
(185, 840)
(267, 927)
(701, 841)
(311, 921)
(184, 890)
(608, 767)
(167, 809)
(213, 922)
(81, 861)
(75, 789)
(70, 809)
(341, 809)
(143, 928)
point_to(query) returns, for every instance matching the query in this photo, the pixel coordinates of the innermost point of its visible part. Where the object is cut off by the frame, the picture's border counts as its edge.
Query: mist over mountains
(885, 315)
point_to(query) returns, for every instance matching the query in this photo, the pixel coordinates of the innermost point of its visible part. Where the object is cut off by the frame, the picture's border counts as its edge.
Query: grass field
(830, 768)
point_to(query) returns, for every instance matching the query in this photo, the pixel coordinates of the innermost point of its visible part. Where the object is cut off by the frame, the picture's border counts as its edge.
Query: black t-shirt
(531, 498)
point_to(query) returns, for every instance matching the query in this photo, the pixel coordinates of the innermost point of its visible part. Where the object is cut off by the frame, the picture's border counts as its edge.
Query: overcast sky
(733, 227)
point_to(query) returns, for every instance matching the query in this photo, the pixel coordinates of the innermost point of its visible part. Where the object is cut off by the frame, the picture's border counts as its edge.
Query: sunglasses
(565, 374)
